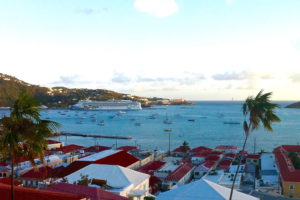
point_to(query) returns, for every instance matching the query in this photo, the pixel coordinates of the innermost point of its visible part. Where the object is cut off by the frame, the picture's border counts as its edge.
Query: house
(203, 190)
(289, 174)
(53, 144)
(113, 157)
(68, 149)
(114, 178)
(92, 193)
(253, 159)
(224, 178)
(269, 177)
(200, 149)
(198, 158)
(180, 176)
(225, 164)
(202, 169)
(179, 151)
(96, 149)
(226, 149)
(151, 167)
(4, 169)
(22, 193)
(128, 148)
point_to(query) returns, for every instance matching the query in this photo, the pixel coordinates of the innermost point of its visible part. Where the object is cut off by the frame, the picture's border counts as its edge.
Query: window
(291, 187)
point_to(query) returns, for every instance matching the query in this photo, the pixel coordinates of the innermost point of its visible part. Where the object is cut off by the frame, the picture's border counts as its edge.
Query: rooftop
(69, 148)
(226, 147)
(253, 156)
(180, 172)
(200, 149)
(96, 148)
(91, 192)
(99, 155)
(152, 166)
(127, 148)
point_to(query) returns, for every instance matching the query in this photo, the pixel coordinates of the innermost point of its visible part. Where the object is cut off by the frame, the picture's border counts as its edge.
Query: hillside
(294, 105)
(56, 97)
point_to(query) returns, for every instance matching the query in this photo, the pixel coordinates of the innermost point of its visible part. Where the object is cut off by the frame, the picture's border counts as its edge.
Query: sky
(191, 49)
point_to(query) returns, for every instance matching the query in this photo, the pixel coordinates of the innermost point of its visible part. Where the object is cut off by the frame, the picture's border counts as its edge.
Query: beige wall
(288, 192)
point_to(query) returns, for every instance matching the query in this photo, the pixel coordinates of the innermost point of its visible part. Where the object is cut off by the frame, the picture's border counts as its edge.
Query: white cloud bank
(157, 8)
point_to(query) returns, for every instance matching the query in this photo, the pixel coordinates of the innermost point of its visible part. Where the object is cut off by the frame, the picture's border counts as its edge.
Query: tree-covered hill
(56, 97)
(294, 105)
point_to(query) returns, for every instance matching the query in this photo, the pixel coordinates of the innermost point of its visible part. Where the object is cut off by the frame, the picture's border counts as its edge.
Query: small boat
(220, 115)
(94, 120)
(138, 124)
(121, 112)
(232, 122)
(167, 120)
(191, 120)
(102, 123)
(168, 130)
(132, 119)
(79, 122)
(203, 117)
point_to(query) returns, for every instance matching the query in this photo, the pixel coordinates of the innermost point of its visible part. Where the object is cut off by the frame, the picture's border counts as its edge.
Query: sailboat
(167, 120)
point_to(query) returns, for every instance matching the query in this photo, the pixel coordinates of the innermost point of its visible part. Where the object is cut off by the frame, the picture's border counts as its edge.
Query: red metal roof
(93, 193)
(53, 142)
(209, 164)
(69, 148)
(121, 158)
(180, 172)
(127, 148)
(212, 158)
(253, 156)
(39, 173)
(152, 166)
(96, 148)
(287, 171)
(7, 181)
(3, 164)
(202, 154)
(71, 168)
(230, 155)
(179, 150)
(200, 149)
(226, 147)
(225, 164)
(22, 193)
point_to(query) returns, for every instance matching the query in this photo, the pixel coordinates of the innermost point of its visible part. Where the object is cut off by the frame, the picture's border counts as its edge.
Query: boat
(121, 112)
(138, 124)
(132, 119)
(79, 122)
(168, 130)
(167, 120)
(191, 120)
(102, 123)
(107, 105)
(232, 122)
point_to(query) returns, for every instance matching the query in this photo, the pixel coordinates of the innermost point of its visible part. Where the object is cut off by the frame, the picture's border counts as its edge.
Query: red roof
(3, 164)
(7, 181)
(121, 158)
(154, 184)
(71, 168)
(93, 193)
(226, 147)
(39, 173)
(200, 149)
(212, 158)
(127, 148)
(225, 164)
(209, 164)
(22, 193)
(53, 142)
(287, 171)
(230, 155)
(96, 148)
(179, 150)
(69, 148)
(180, 172)
(253, 156)
(152, 166)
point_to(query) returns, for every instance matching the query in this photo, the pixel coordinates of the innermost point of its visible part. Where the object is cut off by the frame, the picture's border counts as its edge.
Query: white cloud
(158, 8)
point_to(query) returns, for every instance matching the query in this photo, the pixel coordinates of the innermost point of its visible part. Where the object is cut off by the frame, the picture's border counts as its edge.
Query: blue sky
(195, 49)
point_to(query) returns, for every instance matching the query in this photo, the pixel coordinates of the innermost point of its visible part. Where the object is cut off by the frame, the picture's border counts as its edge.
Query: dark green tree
(24, 133)
(257, 110)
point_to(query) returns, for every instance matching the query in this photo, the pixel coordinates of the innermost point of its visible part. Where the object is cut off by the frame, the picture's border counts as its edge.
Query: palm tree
(257, 110)
(185, 147)
(24, 133)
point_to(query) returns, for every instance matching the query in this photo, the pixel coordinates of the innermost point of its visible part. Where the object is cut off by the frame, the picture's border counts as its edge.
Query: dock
(91, 135)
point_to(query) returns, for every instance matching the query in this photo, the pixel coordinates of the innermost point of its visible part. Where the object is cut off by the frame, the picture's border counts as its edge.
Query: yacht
(107, 105)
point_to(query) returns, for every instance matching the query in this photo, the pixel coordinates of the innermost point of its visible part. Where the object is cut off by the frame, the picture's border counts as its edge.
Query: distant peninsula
(62, 97)
(294, 105)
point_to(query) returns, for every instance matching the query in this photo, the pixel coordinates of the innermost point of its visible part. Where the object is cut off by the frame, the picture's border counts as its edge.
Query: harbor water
(199, 125)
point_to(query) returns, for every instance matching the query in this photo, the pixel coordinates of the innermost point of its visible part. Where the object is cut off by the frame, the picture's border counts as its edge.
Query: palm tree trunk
(238, 168)
(12, 180)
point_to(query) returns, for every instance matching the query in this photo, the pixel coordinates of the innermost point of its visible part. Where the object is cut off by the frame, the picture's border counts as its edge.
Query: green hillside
(294, 105)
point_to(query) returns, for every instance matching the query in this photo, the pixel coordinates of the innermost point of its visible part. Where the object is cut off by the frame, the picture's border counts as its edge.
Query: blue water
(208, 129)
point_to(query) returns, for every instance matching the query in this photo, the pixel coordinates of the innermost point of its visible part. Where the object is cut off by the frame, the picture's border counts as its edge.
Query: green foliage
(149, 198)
(295, 159)
(84, 180)
(184, 147)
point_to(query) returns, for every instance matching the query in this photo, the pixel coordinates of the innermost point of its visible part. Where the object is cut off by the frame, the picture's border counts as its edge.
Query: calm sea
(207, 129)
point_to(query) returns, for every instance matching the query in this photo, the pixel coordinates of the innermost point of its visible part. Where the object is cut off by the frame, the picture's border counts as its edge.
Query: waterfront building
(269, 175)
(96, 149)
(203, 190)
(289, 174)
(114, 178)
(180, 176)
(226, 149)
(179, 153)
(92, 193)
(53, 144)
(69, 149)
(253, 159)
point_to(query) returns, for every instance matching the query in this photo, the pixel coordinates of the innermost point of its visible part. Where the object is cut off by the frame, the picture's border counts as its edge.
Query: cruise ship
(107, 105)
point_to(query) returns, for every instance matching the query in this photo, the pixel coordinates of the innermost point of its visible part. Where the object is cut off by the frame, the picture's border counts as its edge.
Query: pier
(91, 135)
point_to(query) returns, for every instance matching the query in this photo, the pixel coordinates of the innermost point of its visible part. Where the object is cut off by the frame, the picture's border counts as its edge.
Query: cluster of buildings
(100, 172)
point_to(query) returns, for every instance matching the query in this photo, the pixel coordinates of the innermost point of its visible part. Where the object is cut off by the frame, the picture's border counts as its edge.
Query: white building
(269, 174)
(117, 179)
(203, 190)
